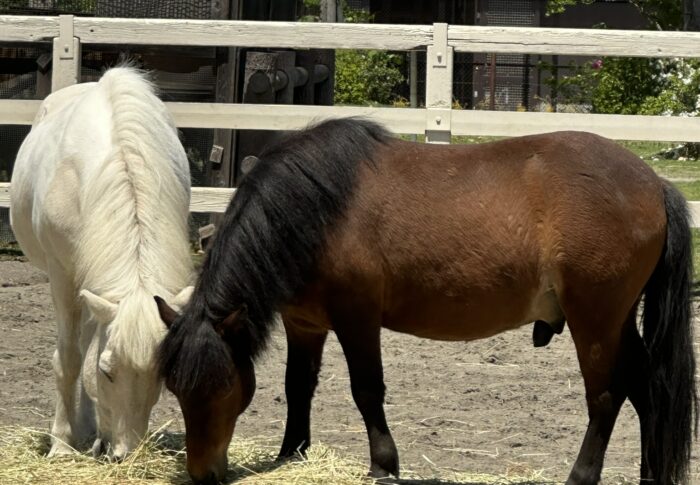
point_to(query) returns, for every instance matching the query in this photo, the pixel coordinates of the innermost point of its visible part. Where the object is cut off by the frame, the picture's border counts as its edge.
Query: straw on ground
(161, 460)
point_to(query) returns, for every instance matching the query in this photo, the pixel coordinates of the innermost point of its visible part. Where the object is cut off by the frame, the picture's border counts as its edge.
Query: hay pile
(161, 460)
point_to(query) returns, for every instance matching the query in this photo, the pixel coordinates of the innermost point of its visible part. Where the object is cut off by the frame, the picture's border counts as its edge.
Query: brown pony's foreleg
(304, 351)
(602, 361)
(361, 345)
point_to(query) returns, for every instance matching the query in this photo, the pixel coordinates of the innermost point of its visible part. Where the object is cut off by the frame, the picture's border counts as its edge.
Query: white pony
(99, 201)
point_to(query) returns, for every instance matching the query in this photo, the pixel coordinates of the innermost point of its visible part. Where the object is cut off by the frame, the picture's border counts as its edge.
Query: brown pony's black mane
(265, 248)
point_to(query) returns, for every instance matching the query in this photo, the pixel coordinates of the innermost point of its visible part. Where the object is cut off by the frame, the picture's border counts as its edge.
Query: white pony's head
(119, 369)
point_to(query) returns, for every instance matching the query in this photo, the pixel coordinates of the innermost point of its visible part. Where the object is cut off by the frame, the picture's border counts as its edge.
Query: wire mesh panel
(21, 83)
(198, 144)
(173, 9)
(510, 12)
(511, 70)
(510, 92)
(10, 140)
(164, 9)
(47, 7)
(358, 4)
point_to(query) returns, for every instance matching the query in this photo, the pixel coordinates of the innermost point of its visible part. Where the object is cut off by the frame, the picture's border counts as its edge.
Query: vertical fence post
(66, 55)
(413, 82)
(438, 91)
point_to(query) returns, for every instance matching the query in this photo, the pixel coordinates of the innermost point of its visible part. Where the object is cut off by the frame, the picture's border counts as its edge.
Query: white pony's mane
(134, 240)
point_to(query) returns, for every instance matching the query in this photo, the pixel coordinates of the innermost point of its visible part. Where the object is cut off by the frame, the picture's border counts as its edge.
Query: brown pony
(342, 227)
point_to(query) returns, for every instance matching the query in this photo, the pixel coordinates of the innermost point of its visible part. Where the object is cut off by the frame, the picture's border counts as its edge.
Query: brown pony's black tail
(668, 335)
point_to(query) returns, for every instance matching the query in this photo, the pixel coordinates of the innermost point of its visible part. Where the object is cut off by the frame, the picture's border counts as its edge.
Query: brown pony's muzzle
(210, 475)
(210, 425)
(207, 463)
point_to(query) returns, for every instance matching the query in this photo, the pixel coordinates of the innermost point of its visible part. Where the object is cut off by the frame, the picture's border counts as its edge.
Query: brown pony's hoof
(290, 458)
(383, 476)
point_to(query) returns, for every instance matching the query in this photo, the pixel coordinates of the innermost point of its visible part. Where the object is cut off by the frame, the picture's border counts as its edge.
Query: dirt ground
(493, 406)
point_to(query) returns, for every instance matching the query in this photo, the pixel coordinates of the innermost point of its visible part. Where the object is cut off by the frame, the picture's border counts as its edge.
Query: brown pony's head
(213, 383)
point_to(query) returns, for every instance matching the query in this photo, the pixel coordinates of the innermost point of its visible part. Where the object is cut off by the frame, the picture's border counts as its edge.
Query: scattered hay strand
(160, 460)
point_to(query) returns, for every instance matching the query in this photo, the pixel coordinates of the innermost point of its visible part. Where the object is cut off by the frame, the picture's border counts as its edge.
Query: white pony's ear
(181, 299)
(102, 310)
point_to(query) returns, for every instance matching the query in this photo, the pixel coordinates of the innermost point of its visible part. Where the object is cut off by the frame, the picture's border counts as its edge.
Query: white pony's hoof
(98, 448)
(60, 448)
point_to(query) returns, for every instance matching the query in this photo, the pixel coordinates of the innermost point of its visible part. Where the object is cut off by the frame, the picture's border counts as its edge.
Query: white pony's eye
(107, 374)
(106, 364)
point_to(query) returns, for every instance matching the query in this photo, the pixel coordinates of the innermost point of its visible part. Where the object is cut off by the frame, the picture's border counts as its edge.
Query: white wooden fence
(437, 120)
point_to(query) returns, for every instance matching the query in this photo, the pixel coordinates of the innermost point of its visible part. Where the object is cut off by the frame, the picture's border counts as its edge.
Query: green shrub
(659, 14)
(679, 93)
(310, 11)
(558, 6)
(632, 86)
(623, 84)
(366, 76)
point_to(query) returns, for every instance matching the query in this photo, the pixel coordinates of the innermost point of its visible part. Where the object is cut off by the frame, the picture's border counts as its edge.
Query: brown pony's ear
(233, 322)
(167, 314)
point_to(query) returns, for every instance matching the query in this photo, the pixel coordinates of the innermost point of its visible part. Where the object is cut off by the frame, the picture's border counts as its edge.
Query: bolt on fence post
(438, 92)
(66, 55)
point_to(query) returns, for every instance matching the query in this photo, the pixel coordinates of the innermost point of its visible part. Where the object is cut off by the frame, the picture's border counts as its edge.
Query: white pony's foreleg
(66, 429)
(86, 406)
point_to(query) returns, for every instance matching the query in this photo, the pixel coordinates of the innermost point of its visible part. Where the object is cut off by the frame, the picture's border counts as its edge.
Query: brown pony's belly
(483, 315)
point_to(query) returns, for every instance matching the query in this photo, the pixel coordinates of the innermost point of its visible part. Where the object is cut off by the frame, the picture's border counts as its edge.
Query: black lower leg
(603, 410)
(637, 381)
(602, 354)
(363, 354)
(304, 350)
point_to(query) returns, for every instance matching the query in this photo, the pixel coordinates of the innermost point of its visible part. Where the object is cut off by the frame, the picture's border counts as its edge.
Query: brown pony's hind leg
(637, 377)
(602, 351)
(304, 351)
(361, 345)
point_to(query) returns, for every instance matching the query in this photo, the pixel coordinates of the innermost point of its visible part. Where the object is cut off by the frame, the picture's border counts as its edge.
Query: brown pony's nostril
(210, 479)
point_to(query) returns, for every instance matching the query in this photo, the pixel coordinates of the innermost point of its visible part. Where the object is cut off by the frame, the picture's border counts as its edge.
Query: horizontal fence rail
(203, 200)
(404, 120)
(222, 33)
(463, 38)
(574, 42)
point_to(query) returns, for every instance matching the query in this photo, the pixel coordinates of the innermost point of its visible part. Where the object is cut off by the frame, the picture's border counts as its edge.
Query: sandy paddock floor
(493, 406)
